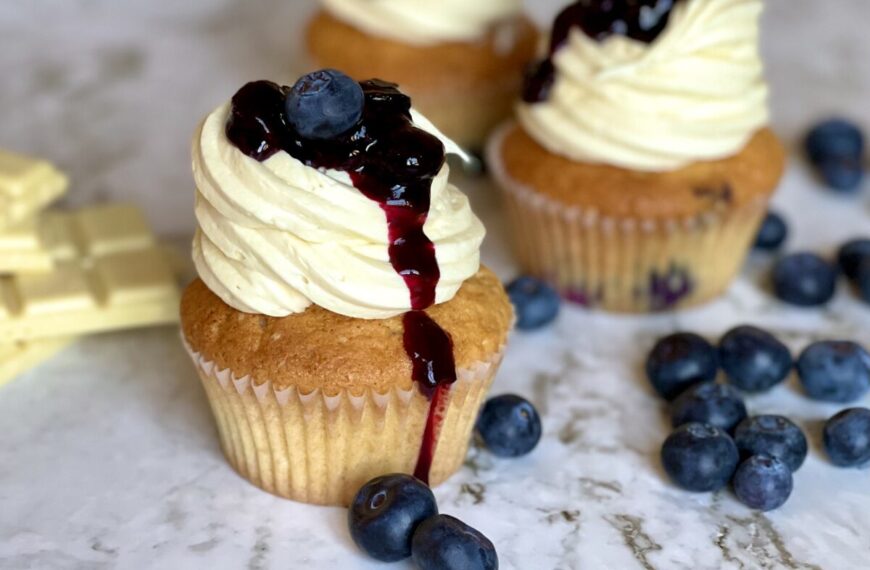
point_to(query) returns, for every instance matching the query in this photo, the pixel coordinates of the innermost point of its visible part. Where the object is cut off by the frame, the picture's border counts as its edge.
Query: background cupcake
(641, 164)
(460, 61)
(342, 326)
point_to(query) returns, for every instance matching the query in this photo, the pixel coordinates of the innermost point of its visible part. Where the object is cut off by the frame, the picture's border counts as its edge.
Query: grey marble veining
(108, 455)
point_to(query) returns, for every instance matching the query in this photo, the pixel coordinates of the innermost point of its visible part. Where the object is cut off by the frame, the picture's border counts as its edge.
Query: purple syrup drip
(641, 20)
(434, 369)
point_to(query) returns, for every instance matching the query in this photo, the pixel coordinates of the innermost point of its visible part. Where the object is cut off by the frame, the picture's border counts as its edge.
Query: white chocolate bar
(16, 358)
(109, 273)
(27, 185)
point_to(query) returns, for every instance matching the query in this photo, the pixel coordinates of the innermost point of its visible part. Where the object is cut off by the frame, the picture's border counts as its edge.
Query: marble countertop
(108, 454)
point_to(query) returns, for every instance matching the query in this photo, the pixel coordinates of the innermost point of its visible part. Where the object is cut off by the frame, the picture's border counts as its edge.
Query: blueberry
(446, 543)
(772, 233)
(509, 426)
(385, 513)
(771, 435)
(535, 302)
(699, 457)
(324, 104)
(847, 437)
(679, 361)
(804, 279)
(834, 138)
(834, 371)
(709, 403)
(842, 174)
(852, 254)
(753, 359)
(763, 482)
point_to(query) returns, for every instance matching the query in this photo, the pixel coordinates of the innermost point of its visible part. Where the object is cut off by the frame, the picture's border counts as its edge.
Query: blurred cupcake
(342, 326)
(641, 164)
(461, 61)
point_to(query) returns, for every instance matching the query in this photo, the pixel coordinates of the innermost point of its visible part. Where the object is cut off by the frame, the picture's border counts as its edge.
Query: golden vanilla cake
(461, 62)
(342, 326)
(641, 163)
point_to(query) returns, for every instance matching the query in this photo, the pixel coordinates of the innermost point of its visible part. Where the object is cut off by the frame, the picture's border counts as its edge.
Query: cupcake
(342, 325)
(641, 164)
(461, 61)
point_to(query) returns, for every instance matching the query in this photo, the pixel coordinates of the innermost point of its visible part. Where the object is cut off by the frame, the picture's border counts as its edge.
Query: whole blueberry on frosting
(324, 104)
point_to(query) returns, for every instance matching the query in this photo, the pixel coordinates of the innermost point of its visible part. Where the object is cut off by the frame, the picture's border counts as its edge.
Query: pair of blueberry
(836, 149)
(753, 360)
(701, 457)
(394, 517)
(808, 280)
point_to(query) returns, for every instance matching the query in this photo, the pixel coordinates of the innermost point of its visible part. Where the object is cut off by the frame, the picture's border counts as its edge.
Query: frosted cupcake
(641, 163)
(342, 325)
(461, 61)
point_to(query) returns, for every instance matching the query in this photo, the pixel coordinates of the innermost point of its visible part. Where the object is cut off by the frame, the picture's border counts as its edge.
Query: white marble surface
(108, 456)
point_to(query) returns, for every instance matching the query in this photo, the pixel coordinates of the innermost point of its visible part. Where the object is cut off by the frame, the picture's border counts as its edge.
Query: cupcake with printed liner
(342, 325)
(640, 166)
(460, 61)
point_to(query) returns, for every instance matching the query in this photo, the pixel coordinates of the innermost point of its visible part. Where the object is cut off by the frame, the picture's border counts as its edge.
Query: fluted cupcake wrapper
(629, 264)
(319, 448)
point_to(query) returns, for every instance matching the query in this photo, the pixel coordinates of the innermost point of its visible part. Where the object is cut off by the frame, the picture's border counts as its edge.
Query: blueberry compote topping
(388, 159)
(641, 20)
(391, 162)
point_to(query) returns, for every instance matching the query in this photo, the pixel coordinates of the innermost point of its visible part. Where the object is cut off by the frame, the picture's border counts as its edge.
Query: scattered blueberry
(535, 302)
(771, 435)
(753, 359)
(836, 148)
(842, 174)
(862, 281)
(851, 255)
(509, 426)
(710, 403)
(385, 513)
(847, 437)
(834, 138)
(804, 279)
(699, 457)
(679, 361)
(442, 542)
(763, 482)
(324, 104)
(772, 233)
(834, 371)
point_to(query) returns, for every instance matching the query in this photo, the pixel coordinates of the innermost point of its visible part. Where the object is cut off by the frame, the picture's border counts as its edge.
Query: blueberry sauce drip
(641, 20)
(391, 162)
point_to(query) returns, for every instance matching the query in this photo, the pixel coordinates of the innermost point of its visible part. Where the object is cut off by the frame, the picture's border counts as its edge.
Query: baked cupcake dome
(465, 88)
(641, 164)
(342, 327)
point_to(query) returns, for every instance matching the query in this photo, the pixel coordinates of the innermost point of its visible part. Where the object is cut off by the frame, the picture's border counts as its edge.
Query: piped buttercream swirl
(276, 236)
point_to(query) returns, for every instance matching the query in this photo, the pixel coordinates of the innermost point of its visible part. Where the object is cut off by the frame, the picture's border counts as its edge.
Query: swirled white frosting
(424, 21)
(276, 236)
(696, 93)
